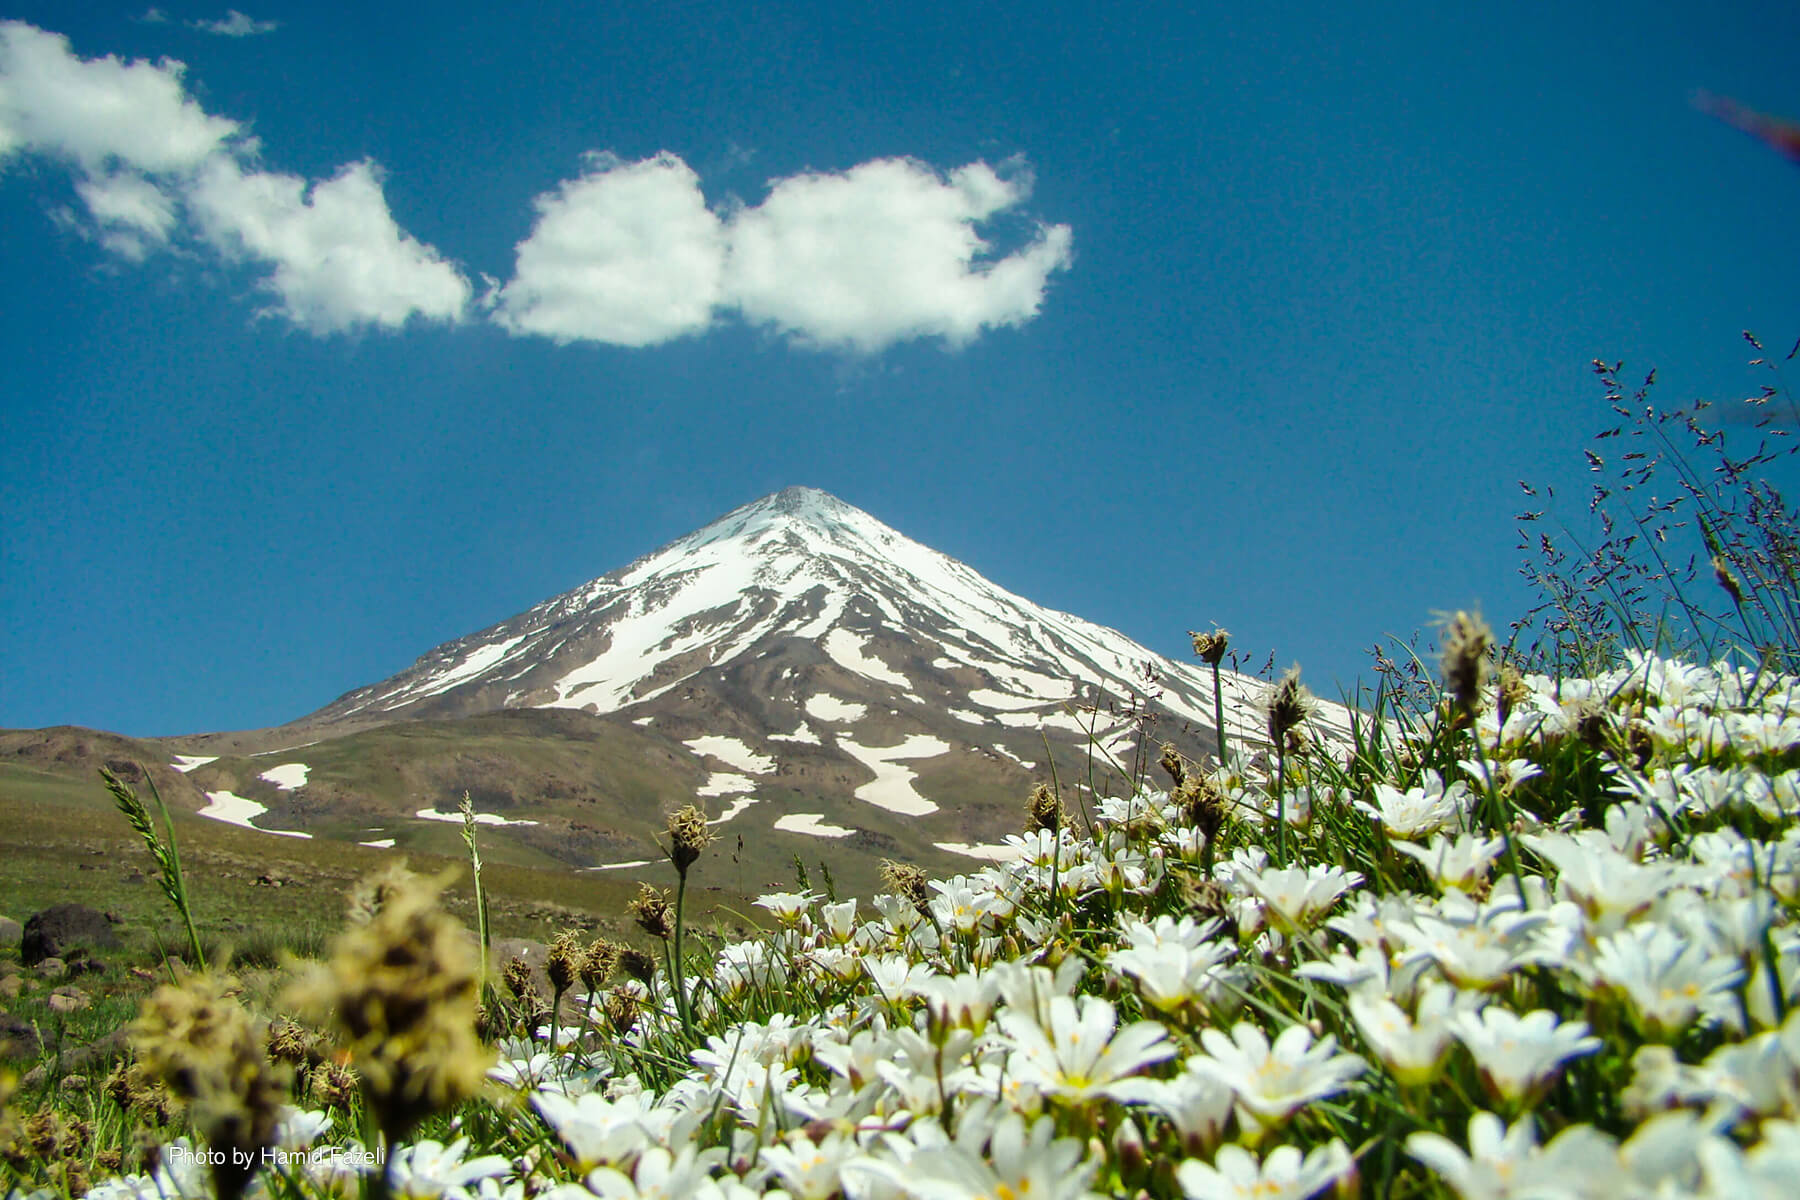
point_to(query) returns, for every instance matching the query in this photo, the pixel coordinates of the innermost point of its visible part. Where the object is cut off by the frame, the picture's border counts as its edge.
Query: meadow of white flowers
(1542, 947)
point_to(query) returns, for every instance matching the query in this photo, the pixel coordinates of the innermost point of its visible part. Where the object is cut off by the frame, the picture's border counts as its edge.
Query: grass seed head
(598, 963)
(1171, 763)
(1289, 705)
(401, 991)
(1468, 642)
(904, 879)
(688, 835)
(650, 909)
(203, 1045)
(1044, 811)
(516, 975)
(1211, 646)
(565, 961)
(637, 964)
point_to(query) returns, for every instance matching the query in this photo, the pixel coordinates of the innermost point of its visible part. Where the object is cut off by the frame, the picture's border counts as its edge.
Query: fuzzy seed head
(401, 993)
(1289, 704)
(202, 1044)
(598, 962)
(1171, 763)
(1044, 811)
(688, 835)
(1728, 580)
(1211, 646)
(637, 964)
(333, 1085)
(565, 961)
(652, 913)
(904, 879)
(1467, 644)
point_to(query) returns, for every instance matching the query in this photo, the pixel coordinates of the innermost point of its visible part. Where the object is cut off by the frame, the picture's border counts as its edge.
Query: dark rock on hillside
(54, 932)
(18, 1039)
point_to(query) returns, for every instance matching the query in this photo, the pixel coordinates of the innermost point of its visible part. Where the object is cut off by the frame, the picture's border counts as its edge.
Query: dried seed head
(289, 1042)
(1203, 805)
(516, 975)
(1513, 689)
(1734, 587)
(1044, 811)
(621, 1008)
(204, 1046)
(566, 958)
(1467, 644)
(1171, 763)
(333, 1085)
(688, 835)
(598, 963)
(904, 879)
(637, 964)
(1211, 646)
(401, 992)
(373, 891)
(652, 912)
(1289, 704)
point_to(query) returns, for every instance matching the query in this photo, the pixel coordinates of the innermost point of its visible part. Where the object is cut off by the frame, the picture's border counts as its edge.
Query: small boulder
(53, 932)
(52, 968)
(10, 931)
(18, 1039)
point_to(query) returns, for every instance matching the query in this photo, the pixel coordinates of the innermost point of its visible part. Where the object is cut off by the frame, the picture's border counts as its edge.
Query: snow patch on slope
(731, 752)
(847, 650)
(288, 776)
(233, 809)
(811, 824)
(829, 708)
(892, 788)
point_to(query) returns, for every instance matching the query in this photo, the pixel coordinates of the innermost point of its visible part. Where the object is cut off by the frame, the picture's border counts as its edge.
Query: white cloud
(339, 260)
(131, 214)
(885, 252)
(152, 165)
(628, 254)
(235, 24)
(99, 111)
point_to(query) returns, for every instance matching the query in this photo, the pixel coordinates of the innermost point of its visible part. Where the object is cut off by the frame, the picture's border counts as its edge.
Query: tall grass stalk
(467, 808)
(162, 849)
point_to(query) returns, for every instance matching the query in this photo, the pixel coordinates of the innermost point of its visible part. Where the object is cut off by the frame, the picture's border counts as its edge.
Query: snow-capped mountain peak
(857, 613)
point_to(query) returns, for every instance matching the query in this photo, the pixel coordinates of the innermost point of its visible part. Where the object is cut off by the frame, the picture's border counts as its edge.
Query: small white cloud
(131, 214)
(99, 111)
(885, 252)
(339, 259)
(234, 24)
(154, 16)
(628, 254)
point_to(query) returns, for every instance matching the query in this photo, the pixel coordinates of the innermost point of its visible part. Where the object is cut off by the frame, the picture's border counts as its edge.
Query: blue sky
(372, 327)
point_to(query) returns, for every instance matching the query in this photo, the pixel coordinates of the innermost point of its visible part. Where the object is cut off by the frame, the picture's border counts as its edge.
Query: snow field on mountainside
(811, 824)
(288, 776)
(233, 809)
(732, 752)
(822, 707)
(847, 649)
(456, 818)
(188, 762)
(892, 788)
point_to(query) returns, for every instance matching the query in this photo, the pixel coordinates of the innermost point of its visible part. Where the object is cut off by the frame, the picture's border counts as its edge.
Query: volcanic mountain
(798, 608)
(797, 668)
